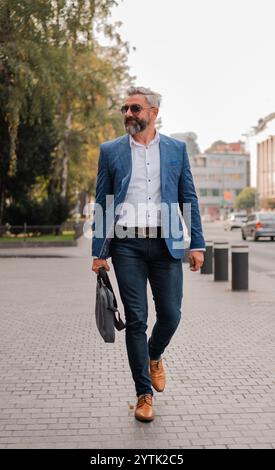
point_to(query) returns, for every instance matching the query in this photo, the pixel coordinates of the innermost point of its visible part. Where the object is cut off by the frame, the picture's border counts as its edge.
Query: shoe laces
(142, 399)
(156, 365)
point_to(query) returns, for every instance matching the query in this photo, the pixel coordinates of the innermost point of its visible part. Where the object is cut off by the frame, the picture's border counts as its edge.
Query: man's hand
(196, 259)
(100, 263)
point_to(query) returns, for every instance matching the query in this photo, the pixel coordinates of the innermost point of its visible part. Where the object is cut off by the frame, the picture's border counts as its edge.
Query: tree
(268, 203)
(55, 77)
(246, 199)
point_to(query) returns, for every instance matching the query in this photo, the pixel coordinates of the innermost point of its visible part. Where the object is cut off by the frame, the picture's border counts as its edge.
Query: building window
(234, 176)
(203, 192)
(215, 162)
(215, 192)
(200, 161)
(229, 162)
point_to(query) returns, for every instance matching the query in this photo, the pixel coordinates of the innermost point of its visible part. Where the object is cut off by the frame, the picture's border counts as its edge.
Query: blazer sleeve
(188, 202)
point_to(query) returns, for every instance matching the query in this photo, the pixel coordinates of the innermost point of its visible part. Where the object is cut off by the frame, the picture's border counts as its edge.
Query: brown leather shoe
(144, 409)
(157, 375)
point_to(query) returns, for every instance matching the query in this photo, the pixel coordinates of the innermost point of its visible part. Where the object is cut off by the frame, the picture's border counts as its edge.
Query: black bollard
(207, 267)
(239, 265)
(221, 261)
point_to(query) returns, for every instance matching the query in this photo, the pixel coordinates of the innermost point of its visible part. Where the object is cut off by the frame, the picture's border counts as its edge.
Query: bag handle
(105, 278)
(102, 274)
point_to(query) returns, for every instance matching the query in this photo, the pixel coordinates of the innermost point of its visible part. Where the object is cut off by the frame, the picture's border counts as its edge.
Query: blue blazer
(177, 186)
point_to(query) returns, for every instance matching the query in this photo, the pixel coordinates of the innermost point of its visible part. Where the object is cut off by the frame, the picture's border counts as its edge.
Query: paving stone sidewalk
(63, 387)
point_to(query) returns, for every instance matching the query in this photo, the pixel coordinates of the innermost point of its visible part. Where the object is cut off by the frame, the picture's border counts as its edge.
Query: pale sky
(213, 61)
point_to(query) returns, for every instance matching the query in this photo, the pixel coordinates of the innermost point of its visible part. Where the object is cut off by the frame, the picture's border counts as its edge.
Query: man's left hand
(196, 259)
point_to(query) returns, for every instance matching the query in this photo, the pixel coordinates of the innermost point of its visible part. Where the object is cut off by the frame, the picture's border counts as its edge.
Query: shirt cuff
(198, 249)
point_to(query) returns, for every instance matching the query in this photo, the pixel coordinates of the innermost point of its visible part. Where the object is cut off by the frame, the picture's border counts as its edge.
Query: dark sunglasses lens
(124, 109)
(135, 108)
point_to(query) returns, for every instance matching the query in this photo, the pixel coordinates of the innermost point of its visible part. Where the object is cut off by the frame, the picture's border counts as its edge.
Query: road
(261, 253)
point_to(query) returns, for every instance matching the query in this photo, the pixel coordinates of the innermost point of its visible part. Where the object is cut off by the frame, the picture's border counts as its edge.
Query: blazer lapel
(164, 152)
(124, 154)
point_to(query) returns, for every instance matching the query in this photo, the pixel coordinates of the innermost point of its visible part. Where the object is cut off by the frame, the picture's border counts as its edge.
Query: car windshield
(267, 216)
(240, 216)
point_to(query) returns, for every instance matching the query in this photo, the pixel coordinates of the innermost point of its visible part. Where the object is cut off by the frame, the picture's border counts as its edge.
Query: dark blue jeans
(135, 261)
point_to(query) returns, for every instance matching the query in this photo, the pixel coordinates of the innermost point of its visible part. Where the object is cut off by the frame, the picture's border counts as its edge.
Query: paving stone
(63, 387)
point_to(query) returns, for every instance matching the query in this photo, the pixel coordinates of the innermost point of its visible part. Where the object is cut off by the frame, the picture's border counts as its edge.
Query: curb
(37, 244)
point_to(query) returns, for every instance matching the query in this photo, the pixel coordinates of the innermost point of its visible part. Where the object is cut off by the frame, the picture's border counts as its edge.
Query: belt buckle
(144, 232)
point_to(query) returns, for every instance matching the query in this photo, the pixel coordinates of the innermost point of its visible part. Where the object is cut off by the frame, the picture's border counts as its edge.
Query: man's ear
(155, 112)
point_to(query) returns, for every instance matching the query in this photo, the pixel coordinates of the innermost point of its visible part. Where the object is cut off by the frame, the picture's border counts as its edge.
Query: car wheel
(272, 239)
(243, 236)
(255, 238)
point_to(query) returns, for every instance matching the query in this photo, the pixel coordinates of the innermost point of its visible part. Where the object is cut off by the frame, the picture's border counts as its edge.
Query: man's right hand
(100, 263)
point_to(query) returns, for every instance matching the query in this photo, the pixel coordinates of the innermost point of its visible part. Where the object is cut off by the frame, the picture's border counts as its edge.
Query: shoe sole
(145, 420)
(157, 389)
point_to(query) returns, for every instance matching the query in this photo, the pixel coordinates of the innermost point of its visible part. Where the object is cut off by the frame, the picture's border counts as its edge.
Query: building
(220, 173)
(190, 138)
(261, 144)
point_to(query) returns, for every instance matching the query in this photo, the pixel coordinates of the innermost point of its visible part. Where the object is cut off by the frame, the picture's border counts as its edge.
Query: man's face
(136, 122)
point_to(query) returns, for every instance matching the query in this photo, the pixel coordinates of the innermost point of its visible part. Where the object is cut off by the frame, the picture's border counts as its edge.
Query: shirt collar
(153, 141)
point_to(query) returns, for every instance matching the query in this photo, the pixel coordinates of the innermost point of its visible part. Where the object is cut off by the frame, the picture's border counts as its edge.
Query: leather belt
(138, 232)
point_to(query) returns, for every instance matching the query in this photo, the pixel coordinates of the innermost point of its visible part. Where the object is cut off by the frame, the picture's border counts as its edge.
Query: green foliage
(246, 199)
(50, 211)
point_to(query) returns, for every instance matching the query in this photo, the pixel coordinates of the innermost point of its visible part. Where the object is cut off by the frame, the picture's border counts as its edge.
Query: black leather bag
(106, 310)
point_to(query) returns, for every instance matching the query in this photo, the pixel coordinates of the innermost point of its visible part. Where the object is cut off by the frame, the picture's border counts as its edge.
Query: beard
(134, 125)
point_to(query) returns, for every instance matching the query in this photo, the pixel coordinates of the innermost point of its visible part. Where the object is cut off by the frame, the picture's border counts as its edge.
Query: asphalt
(261, 252)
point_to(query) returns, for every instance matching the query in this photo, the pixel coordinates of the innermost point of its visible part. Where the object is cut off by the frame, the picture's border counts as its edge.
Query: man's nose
(128, 112)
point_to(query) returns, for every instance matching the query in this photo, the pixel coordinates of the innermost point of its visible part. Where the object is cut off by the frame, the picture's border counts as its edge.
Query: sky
(213, 61)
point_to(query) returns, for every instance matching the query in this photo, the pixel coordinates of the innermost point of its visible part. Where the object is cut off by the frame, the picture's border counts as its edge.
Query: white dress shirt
(142, 204)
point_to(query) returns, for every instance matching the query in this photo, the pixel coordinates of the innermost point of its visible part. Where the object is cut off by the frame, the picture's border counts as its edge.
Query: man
(148, 174)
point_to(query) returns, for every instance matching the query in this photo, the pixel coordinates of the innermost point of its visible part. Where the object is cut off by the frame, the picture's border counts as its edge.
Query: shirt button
(149, 180)
(149, 198)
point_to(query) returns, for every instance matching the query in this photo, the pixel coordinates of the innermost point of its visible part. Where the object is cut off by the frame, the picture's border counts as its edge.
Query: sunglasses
(134, 108)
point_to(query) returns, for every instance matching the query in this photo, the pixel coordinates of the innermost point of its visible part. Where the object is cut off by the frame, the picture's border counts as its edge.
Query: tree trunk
(65, 158)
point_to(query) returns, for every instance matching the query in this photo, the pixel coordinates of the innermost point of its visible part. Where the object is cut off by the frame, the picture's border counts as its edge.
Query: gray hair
(152, 97)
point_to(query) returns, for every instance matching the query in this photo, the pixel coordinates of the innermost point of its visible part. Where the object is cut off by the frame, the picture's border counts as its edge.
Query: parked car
(259, 224)
(235, 220)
